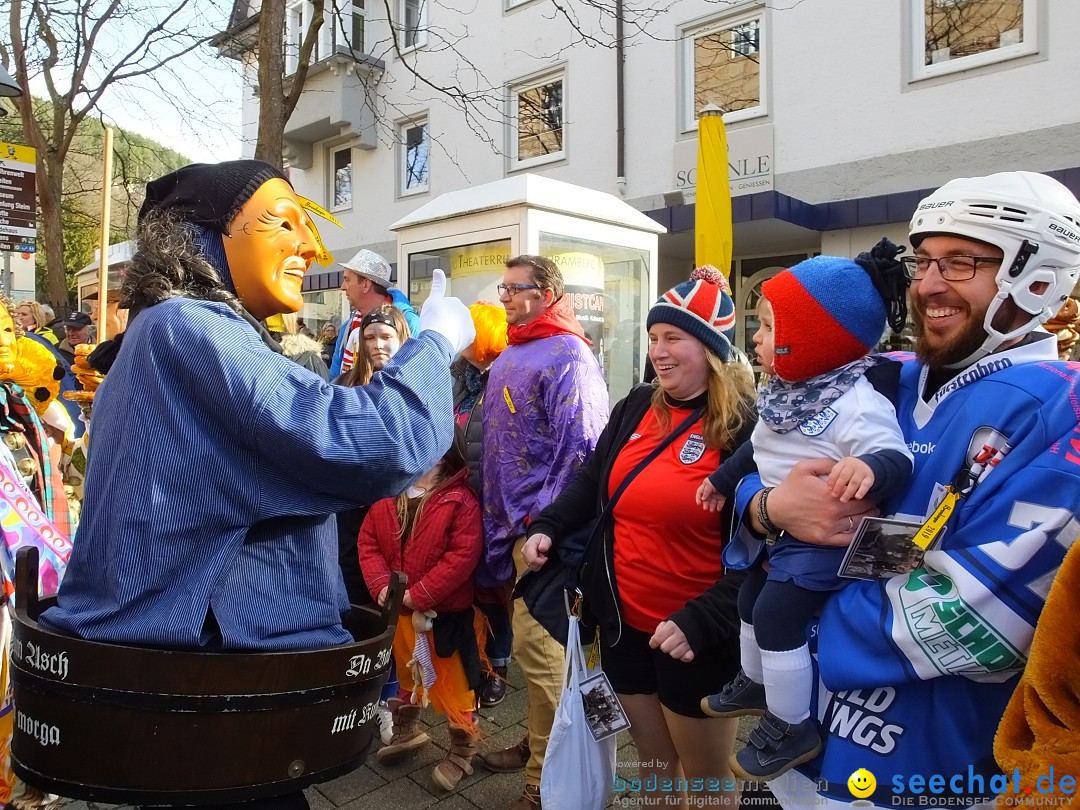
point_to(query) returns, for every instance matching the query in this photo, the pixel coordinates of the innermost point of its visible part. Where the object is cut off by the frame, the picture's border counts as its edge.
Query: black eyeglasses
(510, 290)
(950, 268)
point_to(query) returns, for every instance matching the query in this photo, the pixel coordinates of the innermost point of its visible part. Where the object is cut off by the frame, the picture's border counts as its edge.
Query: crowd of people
(468, 446)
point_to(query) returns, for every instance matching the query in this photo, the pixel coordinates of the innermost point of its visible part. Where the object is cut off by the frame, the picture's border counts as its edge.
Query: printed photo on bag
(603, 712)
(882, 548)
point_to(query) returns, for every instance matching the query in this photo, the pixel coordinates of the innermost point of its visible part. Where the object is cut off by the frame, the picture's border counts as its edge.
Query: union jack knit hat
(701, 306)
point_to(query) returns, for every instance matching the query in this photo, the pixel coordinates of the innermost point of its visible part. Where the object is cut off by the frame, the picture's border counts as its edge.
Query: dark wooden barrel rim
(125, 724)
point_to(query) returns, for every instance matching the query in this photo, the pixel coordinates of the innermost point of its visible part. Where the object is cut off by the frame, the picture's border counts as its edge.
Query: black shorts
(634, 668)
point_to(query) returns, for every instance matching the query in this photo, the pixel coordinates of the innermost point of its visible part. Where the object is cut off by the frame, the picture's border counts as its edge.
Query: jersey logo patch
(634, 436)
(693, 449)
(815, 425)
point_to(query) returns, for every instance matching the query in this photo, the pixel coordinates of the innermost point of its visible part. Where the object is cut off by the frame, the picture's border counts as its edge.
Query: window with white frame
(724, 64)
(359, 18)
(341, 178)
(343, 26)
(294, 34)
(415, 140)
(413, 27)
(953, 35)
(537, 120)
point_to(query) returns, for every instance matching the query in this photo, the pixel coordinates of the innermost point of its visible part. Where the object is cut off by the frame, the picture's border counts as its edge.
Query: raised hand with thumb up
(447, 316)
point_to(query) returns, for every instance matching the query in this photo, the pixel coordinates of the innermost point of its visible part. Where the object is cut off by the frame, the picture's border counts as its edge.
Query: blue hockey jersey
(916, 670)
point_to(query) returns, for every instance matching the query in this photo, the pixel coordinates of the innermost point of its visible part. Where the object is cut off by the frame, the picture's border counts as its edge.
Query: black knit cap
(209, 193)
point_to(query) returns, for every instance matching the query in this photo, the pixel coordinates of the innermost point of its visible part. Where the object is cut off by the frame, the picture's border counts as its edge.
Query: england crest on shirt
(693, 449)
(815, 425)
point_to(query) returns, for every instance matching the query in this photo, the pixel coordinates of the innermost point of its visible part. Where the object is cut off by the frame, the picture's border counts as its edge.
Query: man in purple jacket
(544, 407)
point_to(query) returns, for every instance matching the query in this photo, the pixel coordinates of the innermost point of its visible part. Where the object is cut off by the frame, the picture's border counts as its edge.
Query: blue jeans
(499, 642)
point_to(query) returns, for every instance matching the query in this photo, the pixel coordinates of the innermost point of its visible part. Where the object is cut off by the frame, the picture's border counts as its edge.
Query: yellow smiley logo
(861, 783)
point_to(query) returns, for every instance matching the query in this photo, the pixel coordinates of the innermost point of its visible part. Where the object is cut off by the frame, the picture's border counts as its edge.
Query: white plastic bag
(578, 770)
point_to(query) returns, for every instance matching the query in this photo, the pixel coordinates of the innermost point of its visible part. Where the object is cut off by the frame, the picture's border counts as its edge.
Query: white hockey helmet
(1033, 219)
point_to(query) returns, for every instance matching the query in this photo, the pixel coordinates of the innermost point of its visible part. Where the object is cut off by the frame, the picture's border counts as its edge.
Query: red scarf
(558, 319)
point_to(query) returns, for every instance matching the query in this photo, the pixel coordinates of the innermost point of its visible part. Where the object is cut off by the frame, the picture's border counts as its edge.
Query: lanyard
(962, 485)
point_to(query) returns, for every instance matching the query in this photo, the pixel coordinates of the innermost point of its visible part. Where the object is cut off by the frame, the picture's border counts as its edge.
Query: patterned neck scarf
(784, 406)
(473, 379)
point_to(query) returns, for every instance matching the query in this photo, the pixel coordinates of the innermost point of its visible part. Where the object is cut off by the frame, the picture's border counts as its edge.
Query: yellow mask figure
(270, 247)
(7, 342)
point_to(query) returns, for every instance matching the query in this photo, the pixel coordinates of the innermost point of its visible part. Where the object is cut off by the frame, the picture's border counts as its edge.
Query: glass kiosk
(606, 249)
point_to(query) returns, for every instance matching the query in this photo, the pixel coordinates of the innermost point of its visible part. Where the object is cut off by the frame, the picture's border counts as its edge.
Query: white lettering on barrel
(44, 733)
(344, 722)
(53, 663)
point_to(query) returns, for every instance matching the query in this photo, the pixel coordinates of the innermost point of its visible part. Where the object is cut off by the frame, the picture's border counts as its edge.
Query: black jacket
(473, 431)
(707, 620)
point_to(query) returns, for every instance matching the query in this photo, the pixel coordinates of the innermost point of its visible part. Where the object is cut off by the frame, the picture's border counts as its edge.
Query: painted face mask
(269, 247)
(8, 336)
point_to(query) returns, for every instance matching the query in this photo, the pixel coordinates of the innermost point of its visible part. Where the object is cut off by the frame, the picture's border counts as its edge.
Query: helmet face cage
(1033, 219)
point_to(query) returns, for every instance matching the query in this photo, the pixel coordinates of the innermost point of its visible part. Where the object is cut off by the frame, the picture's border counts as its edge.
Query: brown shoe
(493, 690)
(509, 759)
(458, 761)
(407, 738)
(530, 799)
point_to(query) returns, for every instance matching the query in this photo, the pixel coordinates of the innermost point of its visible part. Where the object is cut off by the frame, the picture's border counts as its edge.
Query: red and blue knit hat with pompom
(701, 306)
(826, 313)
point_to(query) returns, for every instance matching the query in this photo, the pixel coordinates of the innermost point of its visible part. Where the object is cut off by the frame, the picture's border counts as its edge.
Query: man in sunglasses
(544, 408)
(917, 668)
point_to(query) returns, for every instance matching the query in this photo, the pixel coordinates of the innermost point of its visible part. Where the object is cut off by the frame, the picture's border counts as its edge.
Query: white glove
(447, 316)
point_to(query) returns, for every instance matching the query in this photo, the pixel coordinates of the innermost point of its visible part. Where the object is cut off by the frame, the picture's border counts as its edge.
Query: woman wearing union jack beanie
(653, 580)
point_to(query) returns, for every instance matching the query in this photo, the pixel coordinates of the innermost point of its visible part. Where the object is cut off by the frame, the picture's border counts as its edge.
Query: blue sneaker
(739, 698)
(775, 747)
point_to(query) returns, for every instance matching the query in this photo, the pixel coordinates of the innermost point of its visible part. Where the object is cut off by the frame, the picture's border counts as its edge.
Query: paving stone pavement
(373, 786)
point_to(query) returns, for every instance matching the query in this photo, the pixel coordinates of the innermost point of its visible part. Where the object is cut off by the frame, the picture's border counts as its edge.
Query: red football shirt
(667, 548)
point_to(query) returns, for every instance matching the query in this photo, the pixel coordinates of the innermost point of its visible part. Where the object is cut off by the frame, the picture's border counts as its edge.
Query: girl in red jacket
(433, 534)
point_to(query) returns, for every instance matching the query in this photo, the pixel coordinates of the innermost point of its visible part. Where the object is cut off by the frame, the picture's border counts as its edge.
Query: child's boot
(775, 747)
(407, 737)
(458, 761)
(739, 698)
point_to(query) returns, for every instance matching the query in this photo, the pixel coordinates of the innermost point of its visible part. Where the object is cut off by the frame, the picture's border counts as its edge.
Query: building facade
(839, 114)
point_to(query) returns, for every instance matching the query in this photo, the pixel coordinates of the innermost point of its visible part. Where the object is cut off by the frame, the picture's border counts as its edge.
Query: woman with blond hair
(32, 318)
(470, 374)
(652, 579)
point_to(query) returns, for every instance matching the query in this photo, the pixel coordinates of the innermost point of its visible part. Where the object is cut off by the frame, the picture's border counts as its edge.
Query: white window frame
(919, 71)
(332, 161)
(403, 128)
(690, 33)
(294, 36)
(508, 5)
(358, 8)
(421, 26)
(753, 47)
(523, 86)
(298, 13)
(339, 17)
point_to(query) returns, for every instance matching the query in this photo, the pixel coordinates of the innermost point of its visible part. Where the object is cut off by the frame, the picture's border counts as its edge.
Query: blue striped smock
(214, 467)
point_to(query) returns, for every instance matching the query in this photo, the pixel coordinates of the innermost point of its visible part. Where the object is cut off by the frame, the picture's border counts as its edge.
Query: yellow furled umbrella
(712, 218)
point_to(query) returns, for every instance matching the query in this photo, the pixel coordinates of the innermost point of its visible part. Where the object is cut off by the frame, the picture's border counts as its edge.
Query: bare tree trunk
(275, 106)
(271, 79)
(50, 230)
